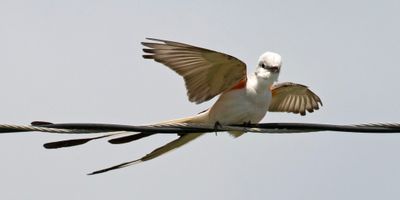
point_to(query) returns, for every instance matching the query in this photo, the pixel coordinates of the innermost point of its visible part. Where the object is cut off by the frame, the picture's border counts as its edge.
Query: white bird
(242, 98)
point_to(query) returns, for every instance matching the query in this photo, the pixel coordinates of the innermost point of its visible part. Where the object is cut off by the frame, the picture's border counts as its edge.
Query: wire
(271, 128)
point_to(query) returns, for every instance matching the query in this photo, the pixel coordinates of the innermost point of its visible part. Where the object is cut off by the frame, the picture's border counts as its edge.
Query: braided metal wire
(9, 128)
(272, 128)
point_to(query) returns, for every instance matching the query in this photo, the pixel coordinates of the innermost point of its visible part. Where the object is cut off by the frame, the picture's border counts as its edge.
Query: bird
(242, 98)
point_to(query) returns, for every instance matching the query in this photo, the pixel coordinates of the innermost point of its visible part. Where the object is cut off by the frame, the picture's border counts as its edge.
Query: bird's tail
(122, 136)
(182, 140)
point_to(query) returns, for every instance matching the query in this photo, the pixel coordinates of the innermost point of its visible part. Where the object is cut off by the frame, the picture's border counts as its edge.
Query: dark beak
(274, 69)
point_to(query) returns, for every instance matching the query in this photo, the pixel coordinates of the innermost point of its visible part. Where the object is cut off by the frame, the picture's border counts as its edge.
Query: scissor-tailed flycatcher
(243, 99)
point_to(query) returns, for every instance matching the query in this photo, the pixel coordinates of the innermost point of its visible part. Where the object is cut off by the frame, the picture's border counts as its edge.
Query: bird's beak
(274, 69)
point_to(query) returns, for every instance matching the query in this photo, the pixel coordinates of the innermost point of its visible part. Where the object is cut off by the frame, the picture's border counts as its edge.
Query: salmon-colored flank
(272, 90)
(240, 85)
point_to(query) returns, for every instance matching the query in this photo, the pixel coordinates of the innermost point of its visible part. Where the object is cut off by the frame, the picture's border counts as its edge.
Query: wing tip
(154, 39)
(148, 56)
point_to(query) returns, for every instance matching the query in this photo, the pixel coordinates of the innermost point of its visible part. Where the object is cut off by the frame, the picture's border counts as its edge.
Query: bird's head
(269, 66)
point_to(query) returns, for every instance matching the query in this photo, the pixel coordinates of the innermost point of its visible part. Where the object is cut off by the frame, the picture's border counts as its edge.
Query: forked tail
(182, 140)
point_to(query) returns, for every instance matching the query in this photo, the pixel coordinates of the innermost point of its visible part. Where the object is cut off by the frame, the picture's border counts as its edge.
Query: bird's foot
(217, 125)
(248, 123)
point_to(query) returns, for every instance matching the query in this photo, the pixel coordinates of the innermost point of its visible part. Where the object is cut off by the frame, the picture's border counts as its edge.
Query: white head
(269, 66)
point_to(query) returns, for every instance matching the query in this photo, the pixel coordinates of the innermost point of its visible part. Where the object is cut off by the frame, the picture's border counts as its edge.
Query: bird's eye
(262, 65)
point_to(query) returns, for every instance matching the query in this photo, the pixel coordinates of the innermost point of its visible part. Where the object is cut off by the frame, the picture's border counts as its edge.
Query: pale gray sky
(80, 61)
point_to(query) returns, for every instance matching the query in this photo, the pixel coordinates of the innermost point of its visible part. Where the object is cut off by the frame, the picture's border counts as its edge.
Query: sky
(81, 61)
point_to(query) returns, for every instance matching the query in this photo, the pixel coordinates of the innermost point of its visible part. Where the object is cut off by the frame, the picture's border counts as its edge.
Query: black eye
(262, 65)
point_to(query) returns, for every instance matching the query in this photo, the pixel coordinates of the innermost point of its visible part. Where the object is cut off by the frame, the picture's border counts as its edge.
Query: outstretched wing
(206, 73)
(294, 98)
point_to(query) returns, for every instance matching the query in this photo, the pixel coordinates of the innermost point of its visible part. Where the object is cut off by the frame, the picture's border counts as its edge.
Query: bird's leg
(248, 123)
(217, 125)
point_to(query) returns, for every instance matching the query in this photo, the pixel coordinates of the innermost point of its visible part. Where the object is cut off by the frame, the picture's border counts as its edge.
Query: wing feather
(290, 104)
(206, 73)
(286, 104)
(311, 103)
(302, 107)
(296, 104)
(294, 98)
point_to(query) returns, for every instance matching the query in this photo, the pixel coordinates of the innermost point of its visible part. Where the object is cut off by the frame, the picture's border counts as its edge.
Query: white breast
(240, 106)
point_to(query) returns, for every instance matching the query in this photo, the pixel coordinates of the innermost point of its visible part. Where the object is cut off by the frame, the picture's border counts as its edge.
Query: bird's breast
(240, 106)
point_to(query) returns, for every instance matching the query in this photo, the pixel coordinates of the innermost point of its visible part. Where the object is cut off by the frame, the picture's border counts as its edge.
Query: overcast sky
(80, 61)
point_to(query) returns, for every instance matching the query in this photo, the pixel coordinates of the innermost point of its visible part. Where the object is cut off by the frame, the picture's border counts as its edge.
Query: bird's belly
(240, 106)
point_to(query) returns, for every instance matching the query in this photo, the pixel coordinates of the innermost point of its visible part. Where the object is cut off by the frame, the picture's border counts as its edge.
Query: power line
(269, 128)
